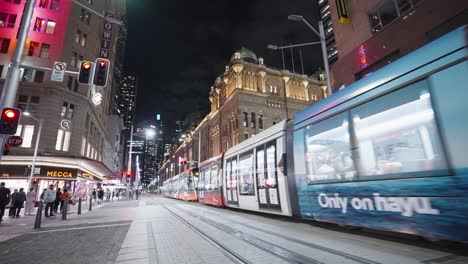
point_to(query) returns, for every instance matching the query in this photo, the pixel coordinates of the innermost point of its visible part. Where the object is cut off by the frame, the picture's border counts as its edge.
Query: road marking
(78, 228)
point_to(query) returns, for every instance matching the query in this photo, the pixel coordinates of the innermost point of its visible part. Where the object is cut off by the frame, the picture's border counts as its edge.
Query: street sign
(58, 71)
(14, 141)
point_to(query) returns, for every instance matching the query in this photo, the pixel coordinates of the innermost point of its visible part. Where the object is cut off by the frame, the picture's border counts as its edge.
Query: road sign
(58, 71)
(14, 141)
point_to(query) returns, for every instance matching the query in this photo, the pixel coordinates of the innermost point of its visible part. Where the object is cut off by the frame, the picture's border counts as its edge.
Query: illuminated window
(45, 51)
(73, 59)
(7, 20)
(50, 27)
(83, 40)
(77, 36)
(27, 136)
(59, 142)
(38, 24)
(32, 48)
(43, 3)
(4, 45)
(54, 4)
(246, 177)
(388, 11)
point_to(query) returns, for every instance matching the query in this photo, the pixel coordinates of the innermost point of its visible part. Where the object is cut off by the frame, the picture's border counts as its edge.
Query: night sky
(177, 48)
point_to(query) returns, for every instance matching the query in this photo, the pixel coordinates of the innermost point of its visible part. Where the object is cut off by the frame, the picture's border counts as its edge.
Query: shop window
(50, 29)
(246, 177)
(45, 48)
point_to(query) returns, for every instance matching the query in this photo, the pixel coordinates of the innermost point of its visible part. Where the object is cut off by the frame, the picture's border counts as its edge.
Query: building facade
(246, 99)
(78, 137)
(378, 32)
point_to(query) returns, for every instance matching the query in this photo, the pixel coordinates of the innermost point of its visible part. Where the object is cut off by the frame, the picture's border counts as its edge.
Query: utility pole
(10, 87)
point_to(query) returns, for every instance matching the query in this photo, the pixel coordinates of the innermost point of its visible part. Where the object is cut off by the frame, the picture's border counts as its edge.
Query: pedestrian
(64, 196)
(93, 195)
(49, 199)
(57, 200)
(118, 194)
(108, 194)
(18, 202)
(42, 194)
(30, 201)
(113, 194)
(12, 211)
(100, 196)
(4, 199)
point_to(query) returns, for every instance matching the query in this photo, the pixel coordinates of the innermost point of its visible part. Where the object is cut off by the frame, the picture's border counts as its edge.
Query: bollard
(79, 206)
(64, 210)
(37, 223)
(90, 203)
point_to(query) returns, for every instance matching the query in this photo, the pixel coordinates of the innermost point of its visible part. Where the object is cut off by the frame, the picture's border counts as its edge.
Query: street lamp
(321, 34)
(38, 137)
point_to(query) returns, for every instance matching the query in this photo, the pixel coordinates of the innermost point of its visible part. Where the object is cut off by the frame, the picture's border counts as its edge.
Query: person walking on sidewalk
(12, 211)
(108, 194)
(65, 196)
(30, 201)
(100, 195)
(93, 194)
(18, 201)
(4, 199)
(49, 199)
(57, 200)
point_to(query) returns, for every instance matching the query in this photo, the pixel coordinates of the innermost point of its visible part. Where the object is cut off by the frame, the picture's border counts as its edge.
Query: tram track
(285, 254)
(281, 252)
(236, 258)
(303, 243)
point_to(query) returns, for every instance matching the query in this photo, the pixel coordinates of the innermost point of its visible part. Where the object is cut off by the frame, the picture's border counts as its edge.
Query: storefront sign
(106, 40)
(57, 172)
(14, 171)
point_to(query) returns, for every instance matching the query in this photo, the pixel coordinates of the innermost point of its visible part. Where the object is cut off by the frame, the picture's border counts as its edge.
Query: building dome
(245, 55)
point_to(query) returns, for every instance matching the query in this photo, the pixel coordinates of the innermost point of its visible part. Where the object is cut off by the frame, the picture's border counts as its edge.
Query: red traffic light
(128, 173)
(9, 113)
(86, 65)
(102, 63)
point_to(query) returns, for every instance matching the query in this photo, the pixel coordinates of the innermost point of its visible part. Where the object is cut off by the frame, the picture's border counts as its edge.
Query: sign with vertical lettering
(106, 40)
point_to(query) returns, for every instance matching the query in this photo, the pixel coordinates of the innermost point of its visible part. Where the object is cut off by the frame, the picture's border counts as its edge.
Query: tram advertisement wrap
(424, 206)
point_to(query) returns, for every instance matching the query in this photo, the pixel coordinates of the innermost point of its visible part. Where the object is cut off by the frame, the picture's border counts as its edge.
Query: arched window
(252, 120)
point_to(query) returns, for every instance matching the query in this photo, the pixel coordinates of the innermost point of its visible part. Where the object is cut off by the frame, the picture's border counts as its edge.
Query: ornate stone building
(246, 99)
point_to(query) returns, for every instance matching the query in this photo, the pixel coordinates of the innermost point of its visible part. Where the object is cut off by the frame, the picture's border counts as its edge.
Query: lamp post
(321, 35)
(38, 137)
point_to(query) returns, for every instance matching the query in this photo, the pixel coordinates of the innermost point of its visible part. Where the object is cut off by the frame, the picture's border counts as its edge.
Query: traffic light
(9, 120)
(128, 173)
(101, 72)
(86, 68)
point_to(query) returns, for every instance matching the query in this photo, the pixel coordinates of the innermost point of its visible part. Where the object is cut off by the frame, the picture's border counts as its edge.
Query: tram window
(327, 151)
(233, 183)
(246, 178)
(214, 177)
(261, 179)
(271, 164)
(397, 134)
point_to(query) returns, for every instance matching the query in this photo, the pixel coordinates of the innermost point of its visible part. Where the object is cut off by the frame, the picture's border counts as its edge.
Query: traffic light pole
(33, 166)
(10, 87)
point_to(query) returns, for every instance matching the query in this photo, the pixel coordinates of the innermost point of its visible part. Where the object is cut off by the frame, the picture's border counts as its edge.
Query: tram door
(231, 181)
(267, 177)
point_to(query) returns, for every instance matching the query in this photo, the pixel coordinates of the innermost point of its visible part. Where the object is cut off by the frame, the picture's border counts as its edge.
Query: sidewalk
(12, 227)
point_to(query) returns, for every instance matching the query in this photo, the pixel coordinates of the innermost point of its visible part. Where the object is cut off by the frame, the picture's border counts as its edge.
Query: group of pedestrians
(53, 199)
(16, 201)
